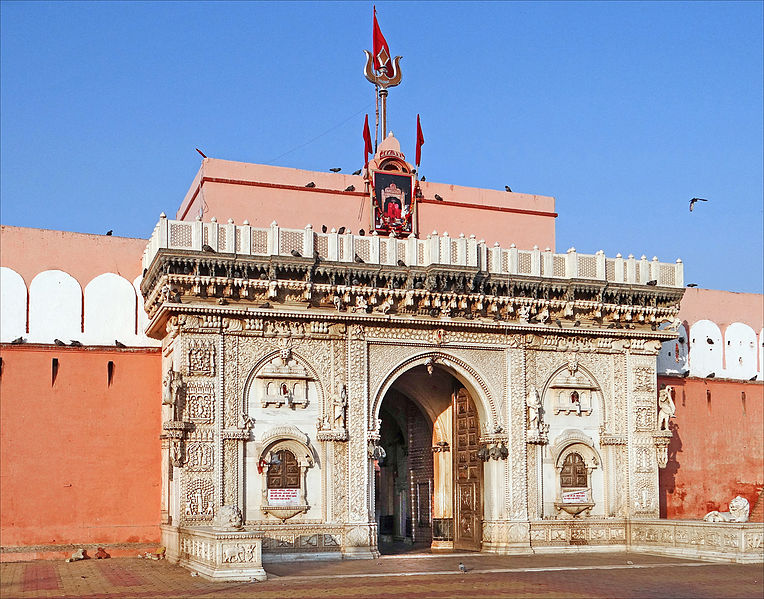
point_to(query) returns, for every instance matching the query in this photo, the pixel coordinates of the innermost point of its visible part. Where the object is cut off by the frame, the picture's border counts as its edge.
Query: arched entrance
(428, 487)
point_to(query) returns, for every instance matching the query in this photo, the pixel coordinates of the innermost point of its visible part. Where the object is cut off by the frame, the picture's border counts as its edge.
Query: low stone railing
(437, 249)
(724, 541)
(727, 541)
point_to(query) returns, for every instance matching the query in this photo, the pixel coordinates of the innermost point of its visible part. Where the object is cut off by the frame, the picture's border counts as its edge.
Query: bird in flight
(694, 201)
(336, 169)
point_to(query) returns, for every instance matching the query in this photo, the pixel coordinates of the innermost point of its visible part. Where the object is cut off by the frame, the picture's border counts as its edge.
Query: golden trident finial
(381, 78)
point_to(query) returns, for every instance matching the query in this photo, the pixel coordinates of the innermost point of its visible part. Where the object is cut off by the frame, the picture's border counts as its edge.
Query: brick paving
(574, 575)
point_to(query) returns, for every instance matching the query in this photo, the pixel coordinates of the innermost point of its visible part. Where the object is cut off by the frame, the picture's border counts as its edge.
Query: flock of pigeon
(73, 342)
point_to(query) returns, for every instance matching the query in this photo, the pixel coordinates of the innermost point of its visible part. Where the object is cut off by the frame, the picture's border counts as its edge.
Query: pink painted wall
(722, 307)
(79, 458)
(262, 194)
(717, 450)
(30, 251)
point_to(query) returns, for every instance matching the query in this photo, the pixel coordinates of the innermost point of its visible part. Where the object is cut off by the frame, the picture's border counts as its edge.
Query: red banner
(367, 148)
(380, 47)
(419, 141)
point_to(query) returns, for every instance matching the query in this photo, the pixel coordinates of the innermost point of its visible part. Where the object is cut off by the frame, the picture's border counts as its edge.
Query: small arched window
(574, 472)
(286, 473)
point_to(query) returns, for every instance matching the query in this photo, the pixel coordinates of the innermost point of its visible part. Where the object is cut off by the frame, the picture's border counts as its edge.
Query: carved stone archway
(479, 390)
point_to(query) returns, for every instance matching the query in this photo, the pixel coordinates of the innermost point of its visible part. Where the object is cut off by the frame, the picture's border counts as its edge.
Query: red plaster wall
(717, 451)
(79, 460)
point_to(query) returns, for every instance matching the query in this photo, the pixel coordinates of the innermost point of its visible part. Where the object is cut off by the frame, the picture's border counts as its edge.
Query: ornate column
(511, 533)
(643, 467)
(360, 533)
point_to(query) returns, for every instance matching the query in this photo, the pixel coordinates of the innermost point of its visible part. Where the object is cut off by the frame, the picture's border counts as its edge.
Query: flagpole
(383, 98)
(376, 122)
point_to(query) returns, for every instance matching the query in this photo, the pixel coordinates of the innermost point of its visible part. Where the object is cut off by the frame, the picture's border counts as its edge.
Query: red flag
(367, 141)
(419, 141)
(380, 47)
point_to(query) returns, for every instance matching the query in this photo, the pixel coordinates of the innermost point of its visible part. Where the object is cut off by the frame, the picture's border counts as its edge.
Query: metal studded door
(468, 474)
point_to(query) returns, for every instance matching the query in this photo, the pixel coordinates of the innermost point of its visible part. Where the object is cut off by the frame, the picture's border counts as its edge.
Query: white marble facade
(283, 354)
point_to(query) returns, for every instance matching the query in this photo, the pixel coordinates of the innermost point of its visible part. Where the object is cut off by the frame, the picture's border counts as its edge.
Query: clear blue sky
(622, 111)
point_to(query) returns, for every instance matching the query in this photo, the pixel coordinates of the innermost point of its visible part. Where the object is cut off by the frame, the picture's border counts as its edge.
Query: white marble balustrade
(441, 249)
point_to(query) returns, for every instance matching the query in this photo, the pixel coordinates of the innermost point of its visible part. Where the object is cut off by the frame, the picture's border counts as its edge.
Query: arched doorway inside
(428, 487)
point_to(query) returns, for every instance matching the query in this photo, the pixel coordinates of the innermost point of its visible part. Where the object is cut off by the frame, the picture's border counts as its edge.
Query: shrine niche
(571, 415)
(284, 458)
(282, 382)
(572, 391)
(394, 191)
(575, 459)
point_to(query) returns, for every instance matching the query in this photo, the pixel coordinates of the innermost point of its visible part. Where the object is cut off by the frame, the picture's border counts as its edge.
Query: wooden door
(285, 474)
(468, 474)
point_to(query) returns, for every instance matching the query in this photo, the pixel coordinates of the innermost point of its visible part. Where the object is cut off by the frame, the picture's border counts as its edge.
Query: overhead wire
(310, 141)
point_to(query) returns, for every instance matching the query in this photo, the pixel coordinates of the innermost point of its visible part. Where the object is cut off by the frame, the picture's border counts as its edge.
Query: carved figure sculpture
(229, 518)
(340, 408)
(674, 324)
(666, 407)
(171, 384)
(247, 422)
(285, 350)
(739, 508)
(534, 409)
(524, 313)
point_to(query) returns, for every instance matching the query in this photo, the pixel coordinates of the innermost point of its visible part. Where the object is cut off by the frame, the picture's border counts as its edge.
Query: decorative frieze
(201, 357)
(200, 401)
(198, 498)
(200, 456)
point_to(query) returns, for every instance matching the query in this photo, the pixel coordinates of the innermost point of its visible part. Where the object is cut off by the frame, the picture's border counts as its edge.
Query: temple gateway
(325, 391)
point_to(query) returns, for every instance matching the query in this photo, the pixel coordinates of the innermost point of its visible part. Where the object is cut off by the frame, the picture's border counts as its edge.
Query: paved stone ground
(580, 575)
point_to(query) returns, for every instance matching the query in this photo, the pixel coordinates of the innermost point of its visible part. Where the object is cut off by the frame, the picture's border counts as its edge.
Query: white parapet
(442, 250)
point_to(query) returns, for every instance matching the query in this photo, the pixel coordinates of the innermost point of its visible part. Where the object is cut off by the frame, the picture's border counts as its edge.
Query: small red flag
(367, 149)
(380, 47)
(419, 141)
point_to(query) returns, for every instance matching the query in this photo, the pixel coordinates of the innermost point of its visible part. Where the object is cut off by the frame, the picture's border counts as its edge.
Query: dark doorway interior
(404, 477)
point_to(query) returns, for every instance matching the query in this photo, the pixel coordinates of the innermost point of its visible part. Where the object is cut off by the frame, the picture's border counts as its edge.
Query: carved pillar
(510, 531)
(643, 471)
(360, 536)
(517, 493)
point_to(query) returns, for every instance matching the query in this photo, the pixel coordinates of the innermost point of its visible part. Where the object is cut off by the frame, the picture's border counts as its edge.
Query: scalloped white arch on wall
(740, 351)
(13, 305)
(109, 309)
(143, 318)
(706, 349)
(672, 358)
(55, 307)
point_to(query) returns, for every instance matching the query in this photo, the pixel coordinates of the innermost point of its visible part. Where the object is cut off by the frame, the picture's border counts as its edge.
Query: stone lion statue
(739, 509)
(229, 518)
